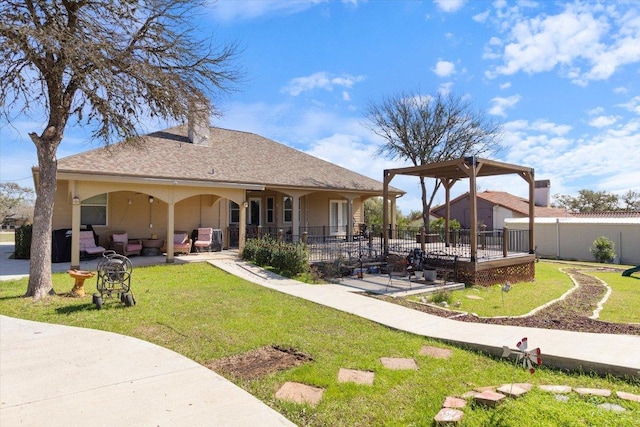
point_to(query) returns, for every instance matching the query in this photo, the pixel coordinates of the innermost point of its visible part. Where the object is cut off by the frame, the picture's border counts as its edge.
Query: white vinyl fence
(571, 238)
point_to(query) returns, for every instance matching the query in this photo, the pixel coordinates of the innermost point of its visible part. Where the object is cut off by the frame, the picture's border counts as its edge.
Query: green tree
(631, 201)
(423, 129)
(107, 64)
(588, 201)
(373, 215)
(15, 201)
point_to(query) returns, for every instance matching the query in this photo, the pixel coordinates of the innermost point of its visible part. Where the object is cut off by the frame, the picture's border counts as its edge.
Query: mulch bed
(570, 314)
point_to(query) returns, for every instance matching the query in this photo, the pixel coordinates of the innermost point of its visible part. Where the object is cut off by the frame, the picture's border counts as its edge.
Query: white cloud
(449, 5)
(444, 68)
(501, 104)
(319, 80)
(585, 42)
(603, 121)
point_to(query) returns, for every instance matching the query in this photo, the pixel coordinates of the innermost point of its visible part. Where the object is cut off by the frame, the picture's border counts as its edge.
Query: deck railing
(327, 244)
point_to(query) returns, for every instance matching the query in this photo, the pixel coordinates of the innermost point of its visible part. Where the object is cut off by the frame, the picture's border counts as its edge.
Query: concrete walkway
(61, 376)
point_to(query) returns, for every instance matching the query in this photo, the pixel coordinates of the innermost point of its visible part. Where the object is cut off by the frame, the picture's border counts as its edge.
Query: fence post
(304, 237)
(280, 235)
(422, 237)
(483, 236)
(505, 241)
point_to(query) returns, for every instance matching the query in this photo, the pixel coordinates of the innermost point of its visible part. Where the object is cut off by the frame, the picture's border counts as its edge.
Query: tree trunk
(40, 284)
(426, 208)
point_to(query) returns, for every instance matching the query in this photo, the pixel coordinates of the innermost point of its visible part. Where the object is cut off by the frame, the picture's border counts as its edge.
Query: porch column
(75, 232)
(295, 220)
(170, 230)
(532, 214)
(350, 224)
(386, 179)
(242, 227)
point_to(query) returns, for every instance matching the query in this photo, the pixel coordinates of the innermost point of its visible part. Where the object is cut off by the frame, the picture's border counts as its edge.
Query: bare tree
(108, 64)
(424, 129)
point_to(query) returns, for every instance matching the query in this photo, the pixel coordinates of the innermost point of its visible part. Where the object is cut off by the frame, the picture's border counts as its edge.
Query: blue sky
(562, 77)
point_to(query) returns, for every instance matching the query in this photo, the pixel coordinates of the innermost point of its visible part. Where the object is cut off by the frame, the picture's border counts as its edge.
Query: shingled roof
(514, 203)
(232, 157)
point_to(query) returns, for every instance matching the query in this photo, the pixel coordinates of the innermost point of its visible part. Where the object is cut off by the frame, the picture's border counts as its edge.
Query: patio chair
(399, 268)
(88, 245)
(120, 242)
(204, 239)
(181, 243)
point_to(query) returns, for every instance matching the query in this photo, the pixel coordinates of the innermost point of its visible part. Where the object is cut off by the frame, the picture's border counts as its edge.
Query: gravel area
(571, 314)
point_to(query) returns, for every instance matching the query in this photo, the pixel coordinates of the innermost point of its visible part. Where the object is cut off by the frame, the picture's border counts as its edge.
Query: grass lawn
(623, 305)
(206, 314)
(7, 236)
(523, 297)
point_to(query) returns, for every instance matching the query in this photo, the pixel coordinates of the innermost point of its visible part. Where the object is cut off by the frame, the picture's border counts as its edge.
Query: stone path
(451, 412)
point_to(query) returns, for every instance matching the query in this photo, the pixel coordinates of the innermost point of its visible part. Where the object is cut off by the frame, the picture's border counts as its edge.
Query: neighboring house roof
(607, 214)
(513, 203)
(232, 157)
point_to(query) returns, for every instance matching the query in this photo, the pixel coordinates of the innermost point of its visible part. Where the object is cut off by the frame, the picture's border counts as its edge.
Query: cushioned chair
(88, 246)
(181, 243)
(204, 239)
(120, 242)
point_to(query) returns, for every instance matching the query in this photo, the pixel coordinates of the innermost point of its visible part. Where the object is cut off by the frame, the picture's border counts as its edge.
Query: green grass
(623, 305)
(523, 297)
(206, 314)
(7, 236)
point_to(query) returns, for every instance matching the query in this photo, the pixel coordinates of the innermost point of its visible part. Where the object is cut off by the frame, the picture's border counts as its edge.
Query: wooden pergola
(451, 171)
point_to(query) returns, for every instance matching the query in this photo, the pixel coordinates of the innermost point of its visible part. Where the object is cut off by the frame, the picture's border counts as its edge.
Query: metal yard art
(528, 357)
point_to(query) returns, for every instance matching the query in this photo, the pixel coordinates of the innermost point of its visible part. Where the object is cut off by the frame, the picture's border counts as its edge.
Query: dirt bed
(570, 314)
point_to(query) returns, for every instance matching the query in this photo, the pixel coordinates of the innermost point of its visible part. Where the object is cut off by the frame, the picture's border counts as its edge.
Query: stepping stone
(562, 389)
(593, 391)
(613, 407)
(489, 398)
(562, 398)
(512, 390)
(628, 396)
(355, 376)
(470, 394)
(454, 402)
(300, 393)
(398, 363)
(440, 353)
(448, 416)
(475, 297)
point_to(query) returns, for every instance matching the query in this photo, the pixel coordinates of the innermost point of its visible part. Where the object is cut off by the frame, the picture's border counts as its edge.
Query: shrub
(288, 259)
(23, 242)
(441, 296)
(603, 250)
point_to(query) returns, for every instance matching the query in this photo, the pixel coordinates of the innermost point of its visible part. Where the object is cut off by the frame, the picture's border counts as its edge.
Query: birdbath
(80, 276)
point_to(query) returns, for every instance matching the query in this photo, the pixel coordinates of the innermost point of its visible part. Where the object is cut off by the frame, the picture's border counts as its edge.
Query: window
(288, 209)
(93, 211)
(270, 210)
(234, 213)
(338, 217)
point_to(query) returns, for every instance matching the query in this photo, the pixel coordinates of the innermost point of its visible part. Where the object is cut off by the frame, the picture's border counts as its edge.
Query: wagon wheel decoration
(529, 357)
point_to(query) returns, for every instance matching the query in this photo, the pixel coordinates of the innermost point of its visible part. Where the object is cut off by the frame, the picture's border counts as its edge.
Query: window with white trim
(287, 209)
(234, 213)
(271, 203)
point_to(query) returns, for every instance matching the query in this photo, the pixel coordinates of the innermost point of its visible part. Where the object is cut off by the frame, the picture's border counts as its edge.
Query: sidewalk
(59, 376)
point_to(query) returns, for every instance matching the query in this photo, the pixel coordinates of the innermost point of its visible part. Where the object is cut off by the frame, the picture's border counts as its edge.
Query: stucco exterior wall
(571, 238)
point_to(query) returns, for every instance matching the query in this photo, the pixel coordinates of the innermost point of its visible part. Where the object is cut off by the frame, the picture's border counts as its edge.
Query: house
(496, 206)
(195, 175)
